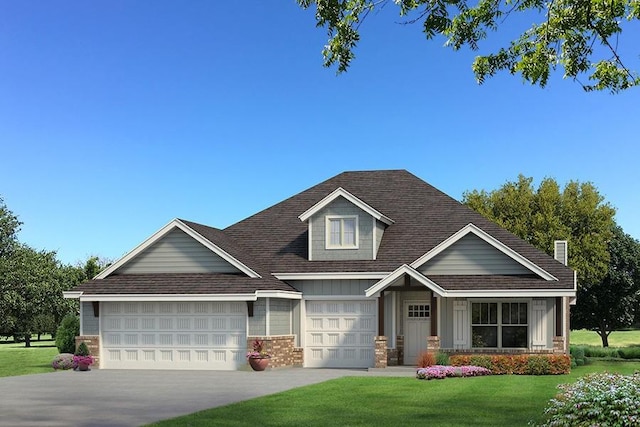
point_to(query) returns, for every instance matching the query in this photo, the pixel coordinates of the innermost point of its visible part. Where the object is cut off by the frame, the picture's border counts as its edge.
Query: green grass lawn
(15, 359)
(616, 339)
(506, 400)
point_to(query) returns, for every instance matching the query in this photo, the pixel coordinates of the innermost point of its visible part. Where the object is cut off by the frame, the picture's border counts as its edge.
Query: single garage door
(340, 334)
(173, 335)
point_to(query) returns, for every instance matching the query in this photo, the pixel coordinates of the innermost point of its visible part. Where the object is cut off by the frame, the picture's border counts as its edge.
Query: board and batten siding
(90, 323)
(332, 287)
(472, 255)
(341, 207)
(177, 252)
(279, 316)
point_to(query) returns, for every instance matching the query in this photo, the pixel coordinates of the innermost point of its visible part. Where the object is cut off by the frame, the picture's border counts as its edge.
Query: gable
(176, 252)
(472, 255)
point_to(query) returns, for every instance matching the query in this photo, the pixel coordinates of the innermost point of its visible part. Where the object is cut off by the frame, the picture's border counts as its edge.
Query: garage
(340, 334)
(173, 335)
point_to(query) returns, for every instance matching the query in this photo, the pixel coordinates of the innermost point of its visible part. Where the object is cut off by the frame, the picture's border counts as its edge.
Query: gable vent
(560, 251)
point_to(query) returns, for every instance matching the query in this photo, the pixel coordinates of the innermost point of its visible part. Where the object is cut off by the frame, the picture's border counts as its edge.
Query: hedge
(525, 364)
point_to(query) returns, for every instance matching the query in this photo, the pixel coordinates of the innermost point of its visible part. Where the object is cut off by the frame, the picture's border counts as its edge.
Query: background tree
(577, 214)
(580, 36)
(610, 304)
(9, 227)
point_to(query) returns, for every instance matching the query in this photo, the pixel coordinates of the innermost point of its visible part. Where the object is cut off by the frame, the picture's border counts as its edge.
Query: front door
(417, 327)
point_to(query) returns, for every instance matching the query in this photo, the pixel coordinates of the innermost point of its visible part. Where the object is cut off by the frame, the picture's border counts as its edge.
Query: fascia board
(472, 228)
(72, 294)
(170, 297)
(176, 223)
(331, 276)
(279, 294)
(399, 272)
(516, 293)
(351, 198)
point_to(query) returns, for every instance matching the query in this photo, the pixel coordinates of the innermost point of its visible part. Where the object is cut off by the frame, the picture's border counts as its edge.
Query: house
(366, 269)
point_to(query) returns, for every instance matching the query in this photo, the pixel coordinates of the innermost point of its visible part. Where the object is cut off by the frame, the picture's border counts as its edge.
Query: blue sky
(118, 116)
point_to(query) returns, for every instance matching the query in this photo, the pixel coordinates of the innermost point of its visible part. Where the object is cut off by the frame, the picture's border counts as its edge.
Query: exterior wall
(93, 344)
(281, 348)
(279, 316)
(379, 233)
(332, 287)
(401, 297)
(258, 323)
(472, 255)
(295, 321)
(90, 323)
(177, 252)
(446, 322)
(341, 206)
(389, 305)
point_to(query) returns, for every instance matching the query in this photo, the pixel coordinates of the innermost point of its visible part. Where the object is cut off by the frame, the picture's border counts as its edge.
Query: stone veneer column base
(281, 348)
(433, 343)
(380, 352)
(93, 344)
(558, 345)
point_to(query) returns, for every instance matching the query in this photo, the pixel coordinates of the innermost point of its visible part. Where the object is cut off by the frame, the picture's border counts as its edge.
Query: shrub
(592, 351)
(441, 372)
(63, 361)
(82, 349)
(66, 334)
(630, 352)
(426, 359)
(596, 399)
(578, 354)
(517, 364)
(442, 358)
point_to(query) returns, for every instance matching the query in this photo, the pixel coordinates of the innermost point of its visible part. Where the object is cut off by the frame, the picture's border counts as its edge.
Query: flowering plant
(258, 351)
(82, 360)
(440, 372)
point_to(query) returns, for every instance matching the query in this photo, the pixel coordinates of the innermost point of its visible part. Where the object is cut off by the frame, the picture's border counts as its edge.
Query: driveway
(132, 398)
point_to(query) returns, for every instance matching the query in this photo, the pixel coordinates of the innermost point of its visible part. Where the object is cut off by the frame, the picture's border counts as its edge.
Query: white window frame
(500, 324)
(327, 227)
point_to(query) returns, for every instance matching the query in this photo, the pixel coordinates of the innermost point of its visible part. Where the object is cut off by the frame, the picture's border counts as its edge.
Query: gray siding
(472, 255)
(296, 320)
(90, 323)
(341, 206)
(446, 322)
(279, 316)
(258, 323)
(332, 287)
(177, 252)
(388, 320)
(379, 233)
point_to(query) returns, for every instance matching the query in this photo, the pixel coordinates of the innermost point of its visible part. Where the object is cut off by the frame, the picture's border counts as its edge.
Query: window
(418, 311)
(342, 232)
(507, 330)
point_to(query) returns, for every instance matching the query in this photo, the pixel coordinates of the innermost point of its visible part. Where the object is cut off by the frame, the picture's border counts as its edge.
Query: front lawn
(505, 400)
(15, 359)
(616, 339)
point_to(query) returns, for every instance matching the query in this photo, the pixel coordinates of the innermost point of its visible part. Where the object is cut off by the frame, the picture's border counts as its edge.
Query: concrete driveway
(132, 398)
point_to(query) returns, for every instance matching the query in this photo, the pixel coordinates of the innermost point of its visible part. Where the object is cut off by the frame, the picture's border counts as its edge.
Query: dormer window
(342, 232)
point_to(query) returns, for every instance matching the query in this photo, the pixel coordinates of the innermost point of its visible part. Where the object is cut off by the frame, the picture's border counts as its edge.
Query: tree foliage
(580, 36)
(577, 214)
(610, 304)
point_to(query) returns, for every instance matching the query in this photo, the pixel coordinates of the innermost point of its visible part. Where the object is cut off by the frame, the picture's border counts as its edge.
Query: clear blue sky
(118, 116)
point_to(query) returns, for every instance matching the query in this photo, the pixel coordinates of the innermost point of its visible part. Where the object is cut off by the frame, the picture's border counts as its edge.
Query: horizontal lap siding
(90, 324)
(279, 316)
(472, 255)
(177, 252)
(258, 323)
(332, 287)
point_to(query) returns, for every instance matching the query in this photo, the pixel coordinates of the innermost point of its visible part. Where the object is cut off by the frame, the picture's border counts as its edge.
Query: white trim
(438, 316)
(303, 322)
(310, 242)
(190, 297)
(82, 320)
(71, 294)
(471, 228)
(373, 243)
(327, 232)
(351, 198)
(176, 223)
(279, 294)
(267, 317)
(399, 272)
(330, 276)
(394, 332)
(335, 298)
(512, 293)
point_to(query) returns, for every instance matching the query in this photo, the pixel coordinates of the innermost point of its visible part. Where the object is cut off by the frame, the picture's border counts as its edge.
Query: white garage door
(340, 334)
(173, 335)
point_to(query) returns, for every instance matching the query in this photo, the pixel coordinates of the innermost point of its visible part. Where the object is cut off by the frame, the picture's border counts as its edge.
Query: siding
(90, 323)
(295, 327)
(472, 255)
(279, 316)
(332, 287)
(258, 323)
(379, 233)
(446, 322)
(341, 206)
(177, 252)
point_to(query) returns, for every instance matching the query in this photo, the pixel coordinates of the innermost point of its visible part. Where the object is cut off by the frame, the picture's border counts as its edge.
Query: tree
(9, 227)
(610, 304)
(581, 36)
(577, 214)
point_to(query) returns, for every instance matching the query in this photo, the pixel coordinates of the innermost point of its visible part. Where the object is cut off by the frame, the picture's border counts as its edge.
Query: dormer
(342, 227)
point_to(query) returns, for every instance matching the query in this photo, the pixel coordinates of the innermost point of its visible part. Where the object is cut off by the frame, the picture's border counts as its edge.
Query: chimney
(560, 251)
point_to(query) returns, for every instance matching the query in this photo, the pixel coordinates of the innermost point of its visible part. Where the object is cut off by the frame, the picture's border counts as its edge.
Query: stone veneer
(381, 352)
(281, 348)
(93, 344)
(558, 345)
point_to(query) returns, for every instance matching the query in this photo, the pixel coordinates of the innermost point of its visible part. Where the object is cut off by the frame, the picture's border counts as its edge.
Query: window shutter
(460, 324)
(539, 322)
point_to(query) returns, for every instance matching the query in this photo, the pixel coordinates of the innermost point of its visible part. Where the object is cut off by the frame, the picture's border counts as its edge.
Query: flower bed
(440, 372)
(525, 364)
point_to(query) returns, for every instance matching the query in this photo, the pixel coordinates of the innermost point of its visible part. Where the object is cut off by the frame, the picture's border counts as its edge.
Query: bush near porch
(525, 364)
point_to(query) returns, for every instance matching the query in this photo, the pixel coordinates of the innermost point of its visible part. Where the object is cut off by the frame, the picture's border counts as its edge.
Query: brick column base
(433, 343)
(93, 344)
(381, 352)
(558, 345)
(281, 348)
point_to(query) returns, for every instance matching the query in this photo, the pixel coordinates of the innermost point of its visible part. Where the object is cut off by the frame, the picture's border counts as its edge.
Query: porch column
(381, 314)
(434, 315)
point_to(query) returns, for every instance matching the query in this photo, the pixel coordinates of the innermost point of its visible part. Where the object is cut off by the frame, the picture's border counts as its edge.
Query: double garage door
(173, 335)
(340, 334)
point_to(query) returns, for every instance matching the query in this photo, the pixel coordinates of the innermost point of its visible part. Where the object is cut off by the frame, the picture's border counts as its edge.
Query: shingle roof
(275, 241)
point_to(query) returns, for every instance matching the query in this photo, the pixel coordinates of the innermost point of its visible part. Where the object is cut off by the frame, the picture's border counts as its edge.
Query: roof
(274, 241)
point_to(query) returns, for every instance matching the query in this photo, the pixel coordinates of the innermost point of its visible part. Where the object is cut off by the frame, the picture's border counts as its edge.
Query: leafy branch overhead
(580, 36)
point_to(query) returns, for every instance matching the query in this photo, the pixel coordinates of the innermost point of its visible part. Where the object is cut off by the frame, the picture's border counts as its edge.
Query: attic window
(342, 232)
